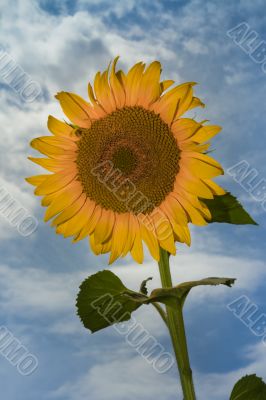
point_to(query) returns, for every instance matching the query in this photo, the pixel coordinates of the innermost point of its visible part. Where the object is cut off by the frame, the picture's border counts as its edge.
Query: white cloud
(188, 265)
(122, 379)
(62, 53)
(131, 377)
(195, 47)
(12, 199)
(222, 384)
(32, 290)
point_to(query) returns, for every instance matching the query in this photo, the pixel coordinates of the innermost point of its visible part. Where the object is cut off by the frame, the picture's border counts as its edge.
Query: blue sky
(61, 44)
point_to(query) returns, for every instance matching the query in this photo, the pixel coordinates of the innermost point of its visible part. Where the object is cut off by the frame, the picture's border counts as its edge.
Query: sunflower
(127, 168)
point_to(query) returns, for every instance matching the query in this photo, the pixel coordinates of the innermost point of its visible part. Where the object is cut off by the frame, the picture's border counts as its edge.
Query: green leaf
(250, 387)
(226, 208)
(180, 292)
(103, 300)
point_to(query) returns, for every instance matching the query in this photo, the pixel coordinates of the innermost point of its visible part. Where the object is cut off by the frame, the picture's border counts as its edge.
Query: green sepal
(226, 208)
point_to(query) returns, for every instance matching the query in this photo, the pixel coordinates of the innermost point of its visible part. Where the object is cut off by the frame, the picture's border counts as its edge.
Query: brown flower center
(128, 160)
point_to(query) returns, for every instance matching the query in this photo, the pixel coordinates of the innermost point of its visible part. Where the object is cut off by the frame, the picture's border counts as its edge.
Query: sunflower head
(127, 168)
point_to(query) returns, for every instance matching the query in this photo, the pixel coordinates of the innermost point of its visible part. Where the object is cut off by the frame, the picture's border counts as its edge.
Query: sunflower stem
(177, 331)
(161, 312)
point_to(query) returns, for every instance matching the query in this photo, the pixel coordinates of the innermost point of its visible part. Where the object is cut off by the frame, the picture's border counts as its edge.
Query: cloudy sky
(60, 45)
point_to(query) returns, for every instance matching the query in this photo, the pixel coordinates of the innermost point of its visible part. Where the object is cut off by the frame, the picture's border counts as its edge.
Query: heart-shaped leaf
(103, 301)
(250, 387)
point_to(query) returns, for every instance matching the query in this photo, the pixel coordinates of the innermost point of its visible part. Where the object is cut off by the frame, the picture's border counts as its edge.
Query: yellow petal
(59, 128)
(99, 248)
(119, 236)
(37, 179)
(164, 85)
(106, 247)
(205, 133)
(164, 231)
(177, 210)
(216, 189)
(63, 143)
(184, 128)
(96, 111)
(91, 94)
(182, 233)
(205, 210)
(75, 225)
(131, 234)
(184, 102)
(117, 87)
(94, 219)
(104, 226)
(75, 108)
(49, 198)
(103, 92)
(149, 90)
(53, 151)
(173, 100)
(70, 211)
(53, 165)
(195, 216)
(83, 227)
(150, 240)
(201, 165)
(181, 230)
(65, 199)
(196, 102)
(132, 85)
(192, 146)
(195, 202)
(193, 185)
(54, 183)
(137, 248)
(122, 78)
(90, 224)
(96, 247)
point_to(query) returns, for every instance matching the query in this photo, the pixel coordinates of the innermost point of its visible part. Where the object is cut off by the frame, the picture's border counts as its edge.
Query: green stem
(177, 331)
(161, 312)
